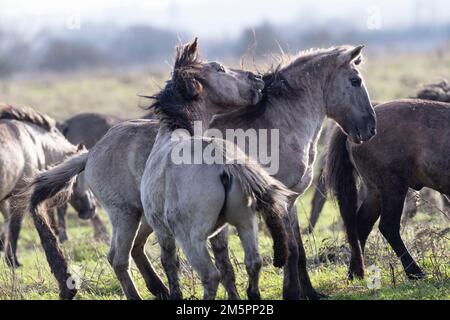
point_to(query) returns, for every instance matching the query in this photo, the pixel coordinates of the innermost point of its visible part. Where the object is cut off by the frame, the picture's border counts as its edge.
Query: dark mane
(435, 91)
(276, 86)
(175, 104)
(26, 114)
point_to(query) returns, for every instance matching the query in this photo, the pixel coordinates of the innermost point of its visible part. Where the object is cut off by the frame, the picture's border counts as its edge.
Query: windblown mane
(276, 86)
(26, 114)
(175, 104)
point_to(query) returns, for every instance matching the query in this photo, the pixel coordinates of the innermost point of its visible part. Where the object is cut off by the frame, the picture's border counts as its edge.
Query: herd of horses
(126, 167)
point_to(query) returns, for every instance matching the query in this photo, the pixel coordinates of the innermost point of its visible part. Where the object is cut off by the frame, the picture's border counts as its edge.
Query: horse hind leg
(152, 280)
(62, 223)
(248, 233)
(124, 232)
(391, 211)
(170, 263)
(219, 244)
(317, 203)
(197, 254)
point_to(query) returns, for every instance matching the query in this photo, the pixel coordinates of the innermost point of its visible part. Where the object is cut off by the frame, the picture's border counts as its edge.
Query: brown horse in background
(411, 150)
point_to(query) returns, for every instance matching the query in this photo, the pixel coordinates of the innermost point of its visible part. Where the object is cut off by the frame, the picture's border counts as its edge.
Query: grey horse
(29, 143)
(85, 128)
(123, 204)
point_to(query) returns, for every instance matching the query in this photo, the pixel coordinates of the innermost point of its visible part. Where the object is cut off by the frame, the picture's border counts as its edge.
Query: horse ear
(81, 147)
(192, 49)
(352, 55)
(193, 88)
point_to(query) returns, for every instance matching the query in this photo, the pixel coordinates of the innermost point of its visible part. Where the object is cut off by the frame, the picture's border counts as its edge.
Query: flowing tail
(270, 198)
(55, 183)
(341, 180)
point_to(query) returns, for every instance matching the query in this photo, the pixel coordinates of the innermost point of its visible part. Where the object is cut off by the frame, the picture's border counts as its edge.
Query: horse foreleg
(219, 244)
(297, 284)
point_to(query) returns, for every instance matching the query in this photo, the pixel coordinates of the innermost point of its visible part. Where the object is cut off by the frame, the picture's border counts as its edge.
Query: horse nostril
(373, 131)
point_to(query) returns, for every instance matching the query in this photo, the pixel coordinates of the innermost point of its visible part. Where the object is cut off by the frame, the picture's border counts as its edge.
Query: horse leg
(152, 281)
(196, 252)
(4, 209)
(391, 212)
(125, 227)
(248, 233)
(170, 263)
(100, 232)
(296, 283)
(14, 226)
(368, 214)
(62, 222)
(318, 201)
(219, 244)
(52, 221)
(410, 207)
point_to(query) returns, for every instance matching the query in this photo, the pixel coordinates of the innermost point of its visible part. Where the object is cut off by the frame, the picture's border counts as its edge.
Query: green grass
(426, 236)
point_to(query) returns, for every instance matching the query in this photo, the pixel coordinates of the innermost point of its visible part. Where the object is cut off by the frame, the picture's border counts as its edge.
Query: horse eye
(220, 68)
(356, 82)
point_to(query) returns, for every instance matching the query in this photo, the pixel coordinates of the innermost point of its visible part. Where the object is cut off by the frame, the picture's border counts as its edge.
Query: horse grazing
(124, 151)
(406, 153)
(29, 143)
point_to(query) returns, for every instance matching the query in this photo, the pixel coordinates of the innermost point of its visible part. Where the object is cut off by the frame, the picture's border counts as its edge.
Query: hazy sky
(212, 18)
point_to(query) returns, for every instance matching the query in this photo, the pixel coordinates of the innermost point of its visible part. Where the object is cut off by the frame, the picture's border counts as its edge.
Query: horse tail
(341, 180)
(47, 185)
(269, 197)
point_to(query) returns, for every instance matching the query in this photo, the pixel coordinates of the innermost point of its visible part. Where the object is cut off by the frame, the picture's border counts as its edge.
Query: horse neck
(302, 114)
(203, 116)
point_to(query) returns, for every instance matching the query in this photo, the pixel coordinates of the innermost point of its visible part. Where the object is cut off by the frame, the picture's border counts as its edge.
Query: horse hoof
(13, 263)
(67, 294)
(162, 294)
(418, 275)
(253, 295)
(353, 274)
(234, 297)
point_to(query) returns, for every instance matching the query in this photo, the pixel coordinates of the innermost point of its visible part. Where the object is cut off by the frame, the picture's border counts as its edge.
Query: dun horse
(120, 195)
(29, 143)
(404, 154)
(191, 202)
(86, 128)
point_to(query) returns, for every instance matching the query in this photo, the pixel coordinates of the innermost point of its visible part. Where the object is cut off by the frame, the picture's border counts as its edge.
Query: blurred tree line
(112, 47)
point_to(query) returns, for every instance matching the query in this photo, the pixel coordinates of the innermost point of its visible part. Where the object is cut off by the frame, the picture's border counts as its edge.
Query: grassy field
(427, 236)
